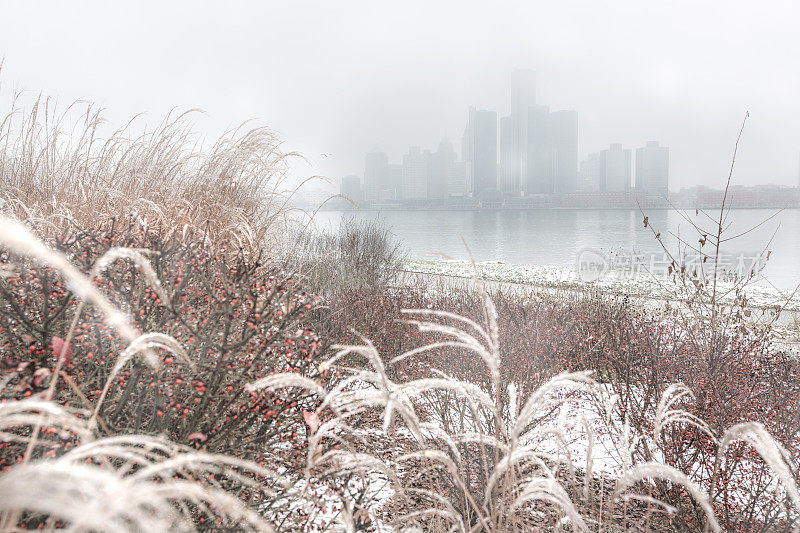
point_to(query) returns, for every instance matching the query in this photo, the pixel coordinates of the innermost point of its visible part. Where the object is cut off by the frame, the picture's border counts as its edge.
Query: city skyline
(532, 151)
(682, 72)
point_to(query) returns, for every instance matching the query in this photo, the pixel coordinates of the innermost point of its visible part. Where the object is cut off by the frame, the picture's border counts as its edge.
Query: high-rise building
(589, 174)
(376, 175)
(507, 169)
(539, 179)
(615, 169)
(514, 149)
(563, 136)
(457, 180)
(351, 187)
(439, 168)
(652, 168)
(480, 152)
(415, 174)
(395, 192)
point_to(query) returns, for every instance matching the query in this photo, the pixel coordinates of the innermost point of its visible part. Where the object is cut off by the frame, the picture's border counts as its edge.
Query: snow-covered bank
(641, 285)
(645, 290)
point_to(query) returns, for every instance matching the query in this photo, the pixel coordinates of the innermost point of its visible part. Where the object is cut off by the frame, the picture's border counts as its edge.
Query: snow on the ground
(640, 285)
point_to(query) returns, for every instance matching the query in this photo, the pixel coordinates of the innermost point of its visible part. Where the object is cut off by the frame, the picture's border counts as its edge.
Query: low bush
(235, 320)
(473, 453)
(739, 377)
(636, 355)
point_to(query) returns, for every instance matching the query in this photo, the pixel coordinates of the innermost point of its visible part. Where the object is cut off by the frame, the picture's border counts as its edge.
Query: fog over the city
(337, 79)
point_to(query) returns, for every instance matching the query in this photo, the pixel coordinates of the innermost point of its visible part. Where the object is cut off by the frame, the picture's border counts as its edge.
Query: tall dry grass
(65, 167)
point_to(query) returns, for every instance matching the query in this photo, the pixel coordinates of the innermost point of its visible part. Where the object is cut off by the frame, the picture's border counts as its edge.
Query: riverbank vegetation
(169, 363)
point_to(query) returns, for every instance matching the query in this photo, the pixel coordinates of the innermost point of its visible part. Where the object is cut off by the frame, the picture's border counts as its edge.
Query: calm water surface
(556, 237)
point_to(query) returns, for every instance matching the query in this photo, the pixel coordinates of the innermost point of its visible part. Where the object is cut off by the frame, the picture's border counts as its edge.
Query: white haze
(340, 78)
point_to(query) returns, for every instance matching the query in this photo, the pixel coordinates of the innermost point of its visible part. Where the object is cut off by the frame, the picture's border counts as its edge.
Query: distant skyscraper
(396, 183)
(652, 168)
(480, 152)
(376, 175)
(589, 174)
(415, 174)
(457, 180)
(439, 166)
(615, 169)
(522, 93)
(539, 179)
(506, 155)
(563, 135)
(351, 187)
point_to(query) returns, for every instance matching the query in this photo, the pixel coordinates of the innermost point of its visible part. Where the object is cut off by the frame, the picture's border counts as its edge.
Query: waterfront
(558, 237)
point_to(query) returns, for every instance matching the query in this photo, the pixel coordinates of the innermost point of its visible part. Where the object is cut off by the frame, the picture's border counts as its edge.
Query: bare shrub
(743, 380)
(539, 335)
(713, 342)
(236, 320)
(362, 255)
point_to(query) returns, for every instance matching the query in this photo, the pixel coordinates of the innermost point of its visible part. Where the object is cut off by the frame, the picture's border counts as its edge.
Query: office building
(506, 154)
(480, 153)
(615, 169)
(652, 168)
(376, 176)
(351, 188)
(457, 180)
(539, 179)
(415, 175)
(589, 174)
(513, 149)
(563, 137)
(439, 169)
(395, 190)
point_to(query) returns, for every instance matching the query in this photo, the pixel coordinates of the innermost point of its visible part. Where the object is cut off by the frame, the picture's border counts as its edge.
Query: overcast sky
(341, 78)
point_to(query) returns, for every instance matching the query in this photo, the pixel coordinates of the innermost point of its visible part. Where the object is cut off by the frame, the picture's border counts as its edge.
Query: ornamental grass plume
(124, 483)
(471, 455)
(61, 168)
(678, 397)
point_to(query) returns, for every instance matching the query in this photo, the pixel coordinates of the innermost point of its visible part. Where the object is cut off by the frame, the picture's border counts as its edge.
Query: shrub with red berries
(737, 378)
(237, 318)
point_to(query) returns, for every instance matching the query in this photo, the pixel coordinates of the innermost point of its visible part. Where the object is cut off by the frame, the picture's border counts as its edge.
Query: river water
(564, 237)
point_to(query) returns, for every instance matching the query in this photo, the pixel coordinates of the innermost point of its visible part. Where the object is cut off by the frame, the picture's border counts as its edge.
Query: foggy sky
(341, 78)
